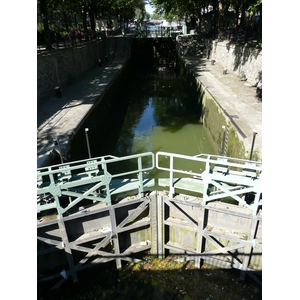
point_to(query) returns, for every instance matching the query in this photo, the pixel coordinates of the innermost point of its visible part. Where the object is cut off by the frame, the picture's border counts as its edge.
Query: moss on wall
(235, 146)
(211, 115)
(213, 120)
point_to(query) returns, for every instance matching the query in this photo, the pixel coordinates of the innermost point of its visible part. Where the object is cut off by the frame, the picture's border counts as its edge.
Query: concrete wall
(239, 59)
(59, 68)
(212, 117)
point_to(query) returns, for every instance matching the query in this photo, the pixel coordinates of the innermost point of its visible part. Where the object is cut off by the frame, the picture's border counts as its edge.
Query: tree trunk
(237, 11)
(244, 7)
(222, 30)
(214, 17)
(92, 20)
(85, 30)
(44, 15)
(259, 31)
(65, 18)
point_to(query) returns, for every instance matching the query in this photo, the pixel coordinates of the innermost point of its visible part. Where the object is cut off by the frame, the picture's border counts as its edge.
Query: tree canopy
(68, 12)
(191, 10)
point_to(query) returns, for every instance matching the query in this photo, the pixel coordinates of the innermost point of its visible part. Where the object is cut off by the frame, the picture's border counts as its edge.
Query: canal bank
(61, 117)
(224, 100)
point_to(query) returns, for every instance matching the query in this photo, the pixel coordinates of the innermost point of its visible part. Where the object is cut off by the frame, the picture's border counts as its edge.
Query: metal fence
(65, 42)
(63, 186)
(221, 177)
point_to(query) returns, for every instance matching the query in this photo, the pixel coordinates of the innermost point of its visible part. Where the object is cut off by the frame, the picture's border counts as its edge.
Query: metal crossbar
(222, 177)
(92, 179)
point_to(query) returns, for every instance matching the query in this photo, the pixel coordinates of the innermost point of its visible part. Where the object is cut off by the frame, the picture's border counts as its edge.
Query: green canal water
(160, 116)
(153, 113)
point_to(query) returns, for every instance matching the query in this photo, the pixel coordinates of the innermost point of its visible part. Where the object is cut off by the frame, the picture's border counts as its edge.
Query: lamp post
(87, 141)
(223, 127)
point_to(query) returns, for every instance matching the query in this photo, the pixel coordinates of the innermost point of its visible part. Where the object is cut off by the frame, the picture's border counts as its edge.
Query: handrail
(209, 160)
(58, 179)
(241, 176)
(70, 166)
(181, 156)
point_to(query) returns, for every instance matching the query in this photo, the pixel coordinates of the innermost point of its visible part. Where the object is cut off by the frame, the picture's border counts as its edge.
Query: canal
(152, 111)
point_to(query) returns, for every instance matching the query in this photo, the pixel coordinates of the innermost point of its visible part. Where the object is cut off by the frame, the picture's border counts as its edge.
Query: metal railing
(221, 177)
(63, 186)
(65, 42)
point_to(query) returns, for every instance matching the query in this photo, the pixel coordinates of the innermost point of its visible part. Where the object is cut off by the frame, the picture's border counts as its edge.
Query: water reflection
(150, 111)
(161, 117)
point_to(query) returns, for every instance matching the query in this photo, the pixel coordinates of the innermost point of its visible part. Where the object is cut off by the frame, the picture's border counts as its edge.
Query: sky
(149, 9)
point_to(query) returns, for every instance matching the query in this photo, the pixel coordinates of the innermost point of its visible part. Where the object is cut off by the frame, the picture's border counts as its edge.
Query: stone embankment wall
(189, 45)
(239, 59)
(59, 68)
(211, 115)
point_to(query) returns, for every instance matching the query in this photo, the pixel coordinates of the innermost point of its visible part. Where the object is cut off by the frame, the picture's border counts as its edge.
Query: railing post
(160, 226)
(205, 180)
(104, 167)
(141, 187)
(115, 239)
(66, 246)
(171, 177)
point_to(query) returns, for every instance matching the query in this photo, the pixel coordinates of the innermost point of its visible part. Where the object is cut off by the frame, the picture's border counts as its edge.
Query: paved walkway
(235, 97)
(62, 116)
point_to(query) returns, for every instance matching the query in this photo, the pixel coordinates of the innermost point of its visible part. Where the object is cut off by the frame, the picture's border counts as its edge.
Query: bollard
(253, 141)
(57, 142)
(99, 62)
(106, 58)
(57, 91)
(259, 92)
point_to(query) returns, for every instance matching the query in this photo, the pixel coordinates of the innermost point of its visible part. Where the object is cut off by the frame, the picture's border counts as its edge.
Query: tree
(253, 9)
(43, 5)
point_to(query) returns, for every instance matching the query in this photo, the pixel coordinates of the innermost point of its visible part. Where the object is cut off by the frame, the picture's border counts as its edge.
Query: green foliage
(60, 13)
(253, 8)
(40, 27)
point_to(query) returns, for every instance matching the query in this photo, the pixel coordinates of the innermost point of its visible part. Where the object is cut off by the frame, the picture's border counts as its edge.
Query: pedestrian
(79, 34)
(70, 38)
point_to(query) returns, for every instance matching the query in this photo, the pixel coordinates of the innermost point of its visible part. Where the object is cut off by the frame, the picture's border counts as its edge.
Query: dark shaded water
(161, 117)
(152, 112)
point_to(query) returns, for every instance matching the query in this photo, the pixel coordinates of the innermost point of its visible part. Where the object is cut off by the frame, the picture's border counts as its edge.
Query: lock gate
(101, 209)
